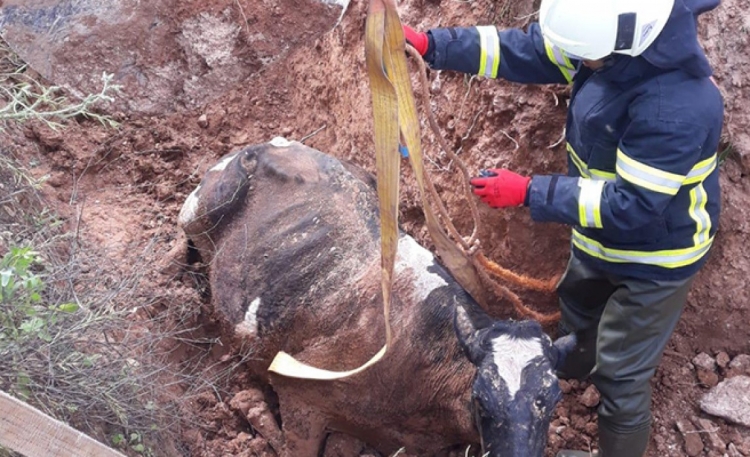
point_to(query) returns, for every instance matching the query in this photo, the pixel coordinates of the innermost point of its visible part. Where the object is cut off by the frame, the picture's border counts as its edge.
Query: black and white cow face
(516, 389)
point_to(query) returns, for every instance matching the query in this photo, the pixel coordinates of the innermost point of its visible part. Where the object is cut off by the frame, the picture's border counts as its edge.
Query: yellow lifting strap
(393, 109)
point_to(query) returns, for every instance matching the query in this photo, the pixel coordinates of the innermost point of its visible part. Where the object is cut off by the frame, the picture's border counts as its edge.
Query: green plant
(84, 336)
(725, 153)
(133, 442)
(69, 344)
(23, 315)
(78, 363)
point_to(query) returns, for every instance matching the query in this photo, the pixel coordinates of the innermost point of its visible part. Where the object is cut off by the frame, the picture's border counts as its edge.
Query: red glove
(500, 188)
(418, 40)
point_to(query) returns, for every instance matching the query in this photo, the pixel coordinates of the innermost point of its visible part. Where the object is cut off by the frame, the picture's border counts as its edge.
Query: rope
(484, 266)
(394, 110)
(436, 130)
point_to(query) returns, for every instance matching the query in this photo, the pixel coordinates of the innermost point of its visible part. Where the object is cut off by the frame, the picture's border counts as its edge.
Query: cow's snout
(515, 389)
(515, 407)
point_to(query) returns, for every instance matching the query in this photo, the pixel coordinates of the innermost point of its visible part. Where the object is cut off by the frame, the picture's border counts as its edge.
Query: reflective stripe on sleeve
(589, 202)
(489, 62)
(560, 60)
(701, 170)
(698, 174)
(671, 258)
(587, 172)
(646, 176)
(582, 168)
(697, 211)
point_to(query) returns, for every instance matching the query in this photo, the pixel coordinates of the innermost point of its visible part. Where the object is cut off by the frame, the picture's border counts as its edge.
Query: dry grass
(79, 335)
(23, 97)
(92, 342)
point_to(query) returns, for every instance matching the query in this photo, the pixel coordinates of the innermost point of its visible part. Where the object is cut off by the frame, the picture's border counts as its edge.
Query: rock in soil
(691, 437)
(729, 400)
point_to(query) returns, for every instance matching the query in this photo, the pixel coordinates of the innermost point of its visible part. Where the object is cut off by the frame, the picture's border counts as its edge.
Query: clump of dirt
(122, 189)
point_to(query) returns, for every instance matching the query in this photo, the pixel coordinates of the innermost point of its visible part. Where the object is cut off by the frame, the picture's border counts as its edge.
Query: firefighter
(641, 191)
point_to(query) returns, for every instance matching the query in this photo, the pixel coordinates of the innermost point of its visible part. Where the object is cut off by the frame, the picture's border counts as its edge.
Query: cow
(290, 238)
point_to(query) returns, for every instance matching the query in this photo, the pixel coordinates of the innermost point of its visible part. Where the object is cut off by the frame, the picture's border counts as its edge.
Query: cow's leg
(342, 445)
(251, 403)
(304, 428)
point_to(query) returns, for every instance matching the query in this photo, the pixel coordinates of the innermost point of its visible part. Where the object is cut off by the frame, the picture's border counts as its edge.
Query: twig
(526, 16)
(466, 96)
(703, 430)
(302, 140)
(468, 132)
(562, 138)
(676, 354)
(557, 99)
(244, 18)
(511, 139)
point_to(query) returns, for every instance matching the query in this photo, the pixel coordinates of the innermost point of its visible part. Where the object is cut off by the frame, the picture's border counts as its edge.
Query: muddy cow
(291, 240)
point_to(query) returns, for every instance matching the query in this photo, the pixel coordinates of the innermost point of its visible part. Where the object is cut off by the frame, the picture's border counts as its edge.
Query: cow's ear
(468, 324)
(249, 160)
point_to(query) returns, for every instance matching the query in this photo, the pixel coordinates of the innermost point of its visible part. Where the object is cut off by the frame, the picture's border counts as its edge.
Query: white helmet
(593, 29)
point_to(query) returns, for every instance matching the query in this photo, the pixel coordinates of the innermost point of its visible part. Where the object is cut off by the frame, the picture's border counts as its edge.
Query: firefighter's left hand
(501, 188)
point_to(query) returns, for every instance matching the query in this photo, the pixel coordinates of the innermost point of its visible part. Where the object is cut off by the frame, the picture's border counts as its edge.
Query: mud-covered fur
(291, 237)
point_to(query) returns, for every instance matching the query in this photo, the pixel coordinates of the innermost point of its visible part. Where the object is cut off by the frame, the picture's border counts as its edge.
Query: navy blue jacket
(642, 188)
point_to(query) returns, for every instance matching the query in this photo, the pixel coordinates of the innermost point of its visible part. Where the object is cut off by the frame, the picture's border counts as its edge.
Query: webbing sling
(393, 109)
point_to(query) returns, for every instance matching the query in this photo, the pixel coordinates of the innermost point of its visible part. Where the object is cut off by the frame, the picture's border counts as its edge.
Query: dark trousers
(635, 318)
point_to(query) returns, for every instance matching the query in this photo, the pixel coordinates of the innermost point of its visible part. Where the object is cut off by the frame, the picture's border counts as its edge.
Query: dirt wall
(122, 190)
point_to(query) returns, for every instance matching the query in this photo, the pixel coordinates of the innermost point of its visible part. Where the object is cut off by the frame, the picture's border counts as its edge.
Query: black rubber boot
(612, 444)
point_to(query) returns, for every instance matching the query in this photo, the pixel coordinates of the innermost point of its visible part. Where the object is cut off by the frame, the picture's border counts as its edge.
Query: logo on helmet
(646, 31)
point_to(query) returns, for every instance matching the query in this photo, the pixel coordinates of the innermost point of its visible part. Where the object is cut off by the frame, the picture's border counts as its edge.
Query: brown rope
(436, 130)
(547, 286)
(518, 305)
(471, 248)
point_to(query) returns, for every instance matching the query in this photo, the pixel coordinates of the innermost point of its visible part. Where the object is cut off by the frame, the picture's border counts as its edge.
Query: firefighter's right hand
(501, 188)
(418, 40)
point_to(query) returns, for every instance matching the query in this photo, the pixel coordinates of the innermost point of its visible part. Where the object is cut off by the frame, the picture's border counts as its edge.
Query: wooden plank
(27, 430)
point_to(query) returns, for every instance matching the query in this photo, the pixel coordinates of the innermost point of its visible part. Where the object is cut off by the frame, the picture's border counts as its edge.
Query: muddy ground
(121, 190)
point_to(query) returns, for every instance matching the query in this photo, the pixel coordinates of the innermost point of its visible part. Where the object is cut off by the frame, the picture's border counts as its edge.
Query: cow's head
(278, 221)
(284, 171)
(516, 389)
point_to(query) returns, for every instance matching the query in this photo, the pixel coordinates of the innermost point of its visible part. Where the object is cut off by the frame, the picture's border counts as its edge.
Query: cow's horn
(468, 325)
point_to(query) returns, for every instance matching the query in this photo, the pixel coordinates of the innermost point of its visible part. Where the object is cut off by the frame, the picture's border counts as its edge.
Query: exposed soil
(121, 190)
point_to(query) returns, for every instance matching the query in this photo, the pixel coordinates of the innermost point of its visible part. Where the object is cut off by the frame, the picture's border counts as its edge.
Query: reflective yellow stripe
(646, 176)
(489, 61)
(602, 175)
(668, 258)
(588, 172)
(582, 168)
(697, 211)
(701, 170)
(635, 170)
(590, 202)
(560, 60)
